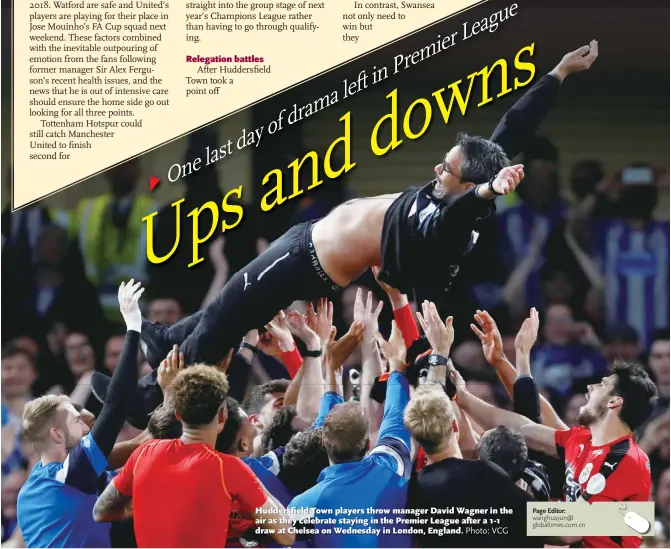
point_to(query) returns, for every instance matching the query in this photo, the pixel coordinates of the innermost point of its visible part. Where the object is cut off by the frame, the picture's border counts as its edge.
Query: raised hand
(364, 313)
(169, 368)
(129, 294)
(251, 338)
(321, 321)
(440, 336)
(298, 326)
(508, 179)
(458, 381)
(577, 61)
(280, 331)
(393, 350)
(217, 256)
(489, 336)
(337, 352)
(528, 333)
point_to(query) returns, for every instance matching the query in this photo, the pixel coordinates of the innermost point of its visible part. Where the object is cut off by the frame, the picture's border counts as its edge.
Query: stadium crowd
(338, 405)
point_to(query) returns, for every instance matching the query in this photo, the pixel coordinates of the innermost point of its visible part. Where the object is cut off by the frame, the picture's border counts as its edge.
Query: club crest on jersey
(596, 484)
(585, 473)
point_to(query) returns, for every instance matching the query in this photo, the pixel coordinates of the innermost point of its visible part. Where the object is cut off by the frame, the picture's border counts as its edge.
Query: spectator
(113, 349)
(189, 285)
(662, 503)
(165, 310)
(483, 389)
(11, 484)
(18, 376)
(621, 342)
(81, 362)
(199, 395)
(112, 236)
(527, 225)
(658, 363)
(469, 357)
(632, 252)
(569, 353)
(572, 409)
(323, 199)
(654, 441)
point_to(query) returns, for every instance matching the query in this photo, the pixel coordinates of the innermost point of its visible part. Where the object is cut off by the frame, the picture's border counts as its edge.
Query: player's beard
(70, 442)
(587, 417)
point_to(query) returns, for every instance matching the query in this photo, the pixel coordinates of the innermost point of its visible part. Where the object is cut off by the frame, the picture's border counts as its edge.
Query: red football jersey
(182, 493)
(619, 471)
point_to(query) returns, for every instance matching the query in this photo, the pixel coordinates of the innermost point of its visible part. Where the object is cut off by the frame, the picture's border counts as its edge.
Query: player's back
(348, 239)
(179, 495)
(361, 486)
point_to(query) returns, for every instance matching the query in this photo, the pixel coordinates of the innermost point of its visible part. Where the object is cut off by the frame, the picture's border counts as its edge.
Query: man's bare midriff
(348, 240)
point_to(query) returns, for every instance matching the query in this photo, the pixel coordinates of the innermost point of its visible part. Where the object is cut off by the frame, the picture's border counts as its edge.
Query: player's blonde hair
(39, 415)
(429, 417)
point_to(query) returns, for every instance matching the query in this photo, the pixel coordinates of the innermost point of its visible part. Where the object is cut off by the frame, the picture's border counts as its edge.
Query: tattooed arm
(112, 505)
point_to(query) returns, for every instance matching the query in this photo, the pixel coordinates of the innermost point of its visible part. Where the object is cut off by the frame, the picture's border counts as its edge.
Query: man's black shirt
(471, 485)
(424, 239)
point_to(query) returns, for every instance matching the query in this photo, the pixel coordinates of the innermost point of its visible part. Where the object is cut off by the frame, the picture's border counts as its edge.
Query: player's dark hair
(483, 159)
(304, 459)
(256, 399)
(163, 423)
(230, 434)
(280, 431)
(506, 448)
(198, 394)
(638, 392)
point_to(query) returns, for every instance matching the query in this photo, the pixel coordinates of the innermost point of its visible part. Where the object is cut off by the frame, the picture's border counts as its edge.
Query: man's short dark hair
(483, 159)
(198, 394)
(280, 431)
(230, 434)
(12, 349)
(506, 448)
(540, 148)
(638, 392)
(304, 459)
(662, 334)
(256, 399)
(163, 423)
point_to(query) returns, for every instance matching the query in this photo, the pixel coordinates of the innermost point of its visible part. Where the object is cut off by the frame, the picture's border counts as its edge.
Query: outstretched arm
(538, 437)
(522, 120)
(120, 391)
(517, 382)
